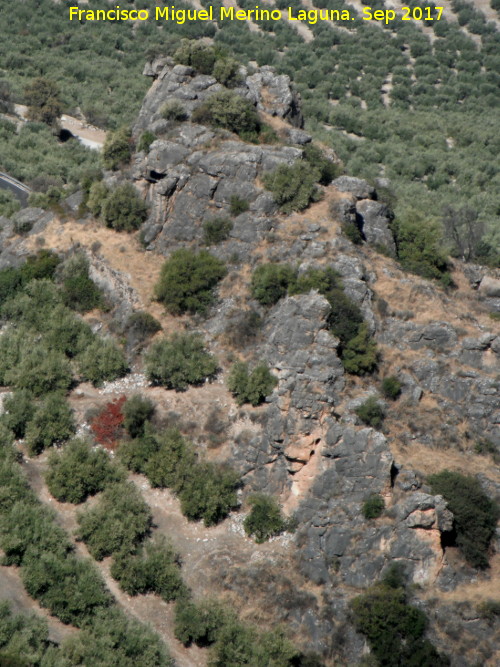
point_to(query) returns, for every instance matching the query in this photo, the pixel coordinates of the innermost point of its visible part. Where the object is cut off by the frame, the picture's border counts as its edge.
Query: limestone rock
(375, 218)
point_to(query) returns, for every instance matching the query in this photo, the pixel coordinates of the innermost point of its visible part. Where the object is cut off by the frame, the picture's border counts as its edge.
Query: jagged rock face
(374, 218)
(304, 357)
(274, 95)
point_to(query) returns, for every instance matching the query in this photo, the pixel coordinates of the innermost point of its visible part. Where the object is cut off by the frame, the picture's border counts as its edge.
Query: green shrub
(187, 281)
(418, 243)
(196, 54)
(41, 266)
(173, 110)
(198, 623)
(170, 459)
(325, 281)
(373, 506)
(145, 141)
(41, 371)
(359, 355)
(24, 638)
(135, 454)
(27, 531)
(8, 204)
(250, 388)
(121, 519)
(216, 230)
(293, 186)
(270, 282)
(79, 292)
(394, 629)
(237, 205)
(230, 111)
(391, 387)
(328, 170)
(67, 334)
(209, 493)
(19, 409)
(98, 193)
(70, 588)
(113, 638)
(371, 412)
(179, 361)
(117, 148)
(52, 423)
(265, 519)
(137, 410)
(155, 569)
(102, 361)
(123, 210)
(227, 72)
(142, 325)
(79, 471)
(475, 515)
(41, 96)
(353, 232)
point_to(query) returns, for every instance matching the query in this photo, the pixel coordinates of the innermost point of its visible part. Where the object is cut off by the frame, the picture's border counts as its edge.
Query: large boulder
(374, 218)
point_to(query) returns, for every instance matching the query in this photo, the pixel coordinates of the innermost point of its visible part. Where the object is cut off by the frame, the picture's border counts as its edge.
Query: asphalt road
(19, 190)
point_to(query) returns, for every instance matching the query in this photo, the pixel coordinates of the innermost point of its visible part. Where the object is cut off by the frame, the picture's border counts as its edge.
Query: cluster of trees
(207, 491)
(394, 628)
(46, 346)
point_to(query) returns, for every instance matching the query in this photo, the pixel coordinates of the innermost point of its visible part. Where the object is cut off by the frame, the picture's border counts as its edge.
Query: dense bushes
(293, 186)
(52, 423)
(120, 520)
(187, 281)
(250, 387)
(79, 292)
(265, 519)
(206, 491)
(137, 411)
(417, 247)
(179, 361)
(371, 412)
(123, 210)
(230, 111)
(394, 629)
(270, 282)
(475, 515)
(117, 148)
(391, 387)
(102, 361)
(173, 110)
(154, 569)
(79, 471)
(232, 643)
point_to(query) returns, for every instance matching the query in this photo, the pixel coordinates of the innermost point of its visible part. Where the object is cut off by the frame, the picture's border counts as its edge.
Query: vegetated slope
(374, 92)
(330, 444)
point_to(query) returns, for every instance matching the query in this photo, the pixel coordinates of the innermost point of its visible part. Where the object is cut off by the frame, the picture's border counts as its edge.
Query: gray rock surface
(375, 218)
(356, 186)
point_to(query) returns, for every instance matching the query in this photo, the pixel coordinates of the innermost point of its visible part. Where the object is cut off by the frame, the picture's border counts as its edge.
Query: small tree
(52, 423)
(179, 361)
(42, 98)
(117, 148)
(250, 387)
(19, 408)
(209, 493)
(216, 230)
(293, 186)
(137, 410)
(371, 412)
(187, 281)
(270, 282)
(121, 519)
(265, 519)
(391, 387)
(231, 111)
(79, 471)
(102, 361)
(107, 426)
(123, 210)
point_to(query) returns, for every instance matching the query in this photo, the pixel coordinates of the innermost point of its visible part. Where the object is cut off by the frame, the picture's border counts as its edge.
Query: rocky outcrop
(268, 91)
(374, 218)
